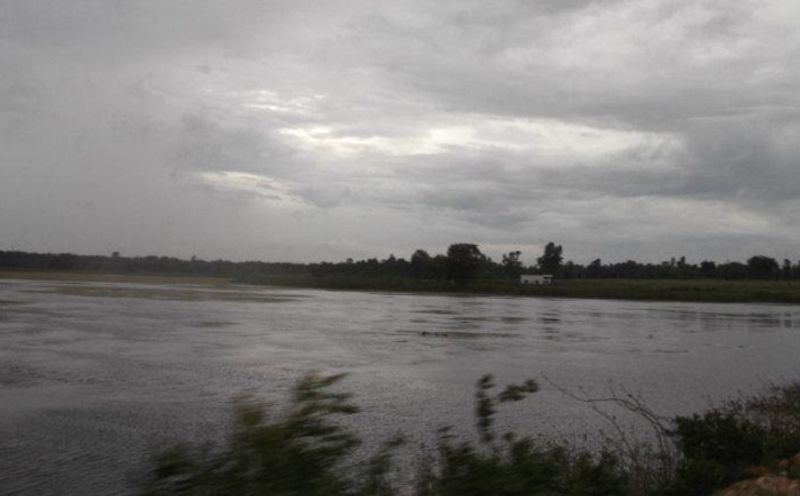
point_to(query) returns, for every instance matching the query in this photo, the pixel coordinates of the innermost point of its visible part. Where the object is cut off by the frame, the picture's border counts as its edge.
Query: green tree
(463, 262)
(707, 268)
(550, 261)
(762, 267)
(421, 264)
(512, 264)
(594, 269)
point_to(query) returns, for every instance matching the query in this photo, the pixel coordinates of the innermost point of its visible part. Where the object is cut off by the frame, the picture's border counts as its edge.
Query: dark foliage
(464, 261)
(462, 264)
(716, 447)
(515, 466)
(550, 261)
(305, 452)
(301, 453)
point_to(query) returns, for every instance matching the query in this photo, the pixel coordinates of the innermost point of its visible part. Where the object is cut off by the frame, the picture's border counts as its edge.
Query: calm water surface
(94, 376)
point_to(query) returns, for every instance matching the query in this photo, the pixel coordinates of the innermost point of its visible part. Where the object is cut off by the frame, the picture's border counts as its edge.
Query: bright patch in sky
(546, 138)
(251, 184)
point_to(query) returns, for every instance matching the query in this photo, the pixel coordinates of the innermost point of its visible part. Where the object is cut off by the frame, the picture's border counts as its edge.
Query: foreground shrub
(716, 448)
(300, 453)
(515, 467)
(778, 415)
(305, 451)
(730, 443)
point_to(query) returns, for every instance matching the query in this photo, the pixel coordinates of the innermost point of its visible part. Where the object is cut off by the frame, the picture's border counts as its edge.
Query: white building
(536, 279)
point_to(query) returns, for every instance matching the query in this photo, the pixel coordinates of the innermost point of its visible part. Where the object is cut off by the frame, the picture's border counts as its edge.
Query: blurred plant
(723, 444)
(302, 453)
(514, 466)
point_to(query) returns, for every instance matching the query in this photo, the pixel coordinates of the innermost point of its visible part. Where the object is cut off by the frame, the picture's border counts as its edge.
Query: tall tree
(512, 264)
(550, 261)
(421, 263)
(594, 269)
(463, 262)
(762, 267)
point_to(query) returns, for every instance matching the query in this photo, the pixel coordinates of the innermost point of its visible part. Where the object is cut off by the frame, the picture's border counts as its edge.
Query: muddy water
(94, 376)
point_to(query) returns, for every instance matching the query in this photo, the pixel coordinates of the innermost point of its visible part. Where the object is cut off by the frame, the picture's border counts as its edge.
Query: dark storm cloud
(307, 129)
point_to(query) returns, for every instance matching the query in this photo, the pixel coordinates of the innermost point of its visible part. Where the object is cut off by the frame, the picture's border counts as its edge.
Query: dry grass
(219, 282)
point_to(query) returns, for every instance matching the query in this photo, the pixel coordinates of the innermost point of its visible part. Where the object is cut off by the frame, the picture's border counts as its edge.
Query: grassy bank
(87, 276)
(699, 290)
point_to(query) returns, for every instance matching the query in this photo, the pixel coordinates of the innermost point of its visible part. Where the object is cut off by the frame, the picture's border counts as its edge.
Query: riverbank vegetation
(306, 451)
(696, 290)
(462, 263)
(462, 269)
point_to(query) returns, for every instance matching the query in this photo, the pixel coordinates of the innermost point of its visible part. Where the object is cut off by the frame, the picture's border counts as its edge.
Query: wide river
(95, 376)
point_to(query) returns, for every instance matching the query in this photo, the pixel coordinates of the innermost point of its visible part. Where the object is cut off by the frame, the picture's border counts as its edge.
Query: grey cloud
(656, 86)
(111, 114)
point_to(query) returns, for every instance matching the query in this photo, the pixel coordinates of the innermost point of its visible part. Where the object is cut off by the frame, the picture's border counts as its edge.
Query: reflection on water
(459, 334)
(93, 375)
(711, 320)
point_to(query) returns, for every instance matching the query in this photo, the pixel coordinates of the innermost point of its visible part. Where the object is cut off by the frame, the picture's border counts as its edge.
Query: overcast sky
(305, 131)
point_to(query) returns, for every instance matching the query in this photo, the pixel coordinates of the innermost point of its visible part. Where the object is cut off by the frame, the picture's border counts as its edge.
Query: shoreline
(675, 290)
(685, 291)
(138, 278)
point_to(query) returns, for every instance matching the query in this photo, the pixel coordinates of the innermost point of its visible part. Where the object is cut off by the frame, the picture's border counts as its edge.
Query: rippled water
(94, 376)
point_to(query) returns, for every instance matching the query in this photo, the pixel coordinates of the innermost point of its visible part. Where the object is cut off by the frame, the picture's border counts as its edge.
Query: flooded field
(93, 376)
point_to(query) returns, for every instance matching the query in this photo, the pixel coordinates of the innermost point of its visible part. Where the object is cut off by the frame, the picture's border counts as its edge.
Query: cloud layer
(307, 131)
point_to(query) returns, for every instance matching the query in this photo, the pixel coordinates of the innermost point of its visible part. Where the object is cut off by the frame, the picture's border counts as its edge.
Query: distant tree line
(149, 264)
(463, 262)
(756, 267)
